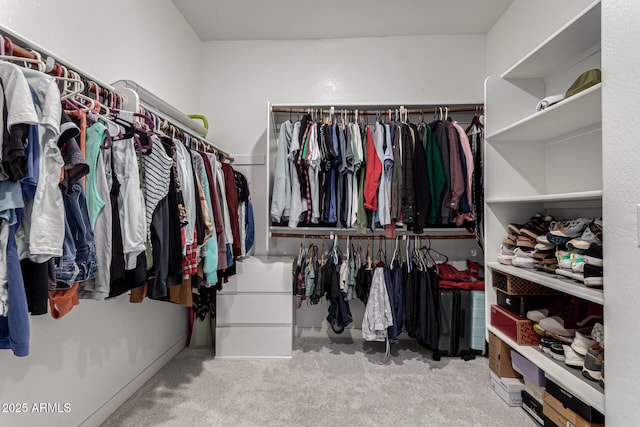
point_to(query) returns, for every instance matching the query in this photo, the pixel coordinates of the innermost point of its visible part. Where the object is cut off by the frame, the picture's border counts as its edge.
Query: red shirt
(372, 175)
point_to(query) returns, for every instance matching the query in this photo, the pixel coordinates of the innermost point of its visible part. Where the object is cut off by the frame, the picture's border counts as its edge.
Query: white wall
(146, 41)
(101, 352)
(621, 153)
(240, 77)
(524, 26)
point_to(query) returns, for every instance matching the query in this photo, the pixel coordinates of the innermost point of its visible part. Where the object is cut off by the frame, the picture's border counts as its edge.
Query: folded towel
(549, 101)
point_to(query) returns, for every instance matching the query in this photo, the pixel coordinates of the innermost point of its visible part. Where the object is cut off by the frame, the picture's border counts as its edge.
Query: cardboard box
(500, 358)
(518, 329)
(568, 400)
(562, 416)
(509, 389)
(532, 407)
(527, 369)
(520, 304)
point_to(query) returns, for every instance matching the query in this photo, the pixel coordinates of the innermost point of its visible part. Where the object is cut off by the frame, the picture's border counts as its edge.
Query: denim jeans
(78, 262)
(339, 314)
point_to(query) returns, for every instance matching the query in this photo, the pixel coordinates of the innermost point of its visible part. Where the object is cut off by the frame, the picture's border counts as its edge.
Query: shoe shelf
(552, 281)
(564, 118)
(577, 36)
(589, 392)
(548, 198)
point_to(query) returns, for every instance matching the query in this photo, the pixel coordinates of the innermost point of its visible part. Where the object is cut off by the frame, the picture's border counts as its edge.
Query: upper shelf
(580, 34)
(577, 112)
(552, 281)
(577, 196)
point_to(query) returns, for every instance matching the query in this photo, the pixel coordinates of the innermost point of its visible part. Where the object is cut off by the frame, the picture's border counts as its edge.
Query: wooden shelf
(567, 116)
(576, 37)
(589, 392)
(550, 198)
(552, 281)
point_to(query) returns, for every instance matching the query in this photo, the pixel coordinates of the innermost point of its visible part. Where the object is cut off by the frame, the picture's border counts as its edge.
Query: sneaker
(601, 382)
(523, 253)
(533, 231)
(544, 247)
(577, 262)
(570, 274)
(523, 262)
(564, 259)
(581, 344)
(592, 369)
(506, 255)
(597, 333)
(525, 242)
(546, 343)
(577, 315)
(510, 240)
(557, 352)
(535, 220)
(571, 358)
(592, 235)
(593, 276)
(537, 315)
(565, 231)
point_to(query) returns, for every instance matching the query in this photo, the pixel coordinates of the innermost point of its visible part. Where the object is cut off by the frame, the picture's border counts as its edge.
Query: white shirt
(185, 173)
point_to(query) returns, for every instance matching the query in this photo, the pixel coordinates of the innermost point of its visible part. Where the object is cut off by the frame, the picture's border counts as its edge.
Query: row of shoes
(569, 248)
(583, 352)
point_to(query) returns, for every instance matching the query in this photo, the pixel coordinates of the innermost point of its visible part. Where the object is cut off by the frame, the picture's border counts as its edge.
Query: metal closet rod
(373, 237)
(476, 109)
(94, 85)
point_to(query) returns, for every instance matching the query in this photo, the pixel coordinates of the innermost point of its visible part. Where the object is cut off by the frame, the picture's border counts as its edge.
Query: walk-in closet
(416, 213)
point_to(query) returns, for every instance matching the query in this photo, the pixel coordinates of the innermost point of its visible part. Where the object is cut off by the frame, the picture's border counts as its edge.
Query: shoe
(533, 230)
(593, 276)
(577, 315)
(570, 274)
(537, 315)
(601, 382)
(565, 231)
(541, 255)
(557, 352)
(546, 343)
(571, 358)
(581, 344)
(525, 242)
(547, 268)
(506, 255)
(523, 253)
(510, 240)
(592, 369)
(564, 259)
(543, 239)
(544, 334)
(597, 333)
(535, 220)
(577, 262)
(592, 235)
(523, 262)
(544, 247)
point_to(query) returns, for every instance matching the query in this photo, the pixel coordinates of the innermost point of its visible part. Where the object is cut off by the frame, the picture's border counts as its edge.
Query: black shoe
(593, 276)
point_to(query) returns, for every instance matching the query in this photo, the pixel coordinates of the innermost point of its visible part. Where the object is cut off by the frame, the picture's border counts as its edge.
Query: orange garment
(137, 294)
(62, 301)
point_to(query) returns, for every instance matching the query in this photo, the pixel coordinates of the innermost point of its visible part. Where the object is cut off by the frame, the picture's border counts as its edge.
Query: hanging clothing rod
(54, 68)
(477, 109)
(373, 237)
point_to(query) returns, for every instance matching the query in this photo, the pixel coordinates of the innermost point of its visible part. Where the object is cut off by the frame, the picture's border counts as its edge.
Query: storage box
(518, 329)
(533, 390)
(562, 416)
(500, 358)
(567, 399)
(514, 285)
(509, 389)
(532, 407)
(520, 304)
(528, 370)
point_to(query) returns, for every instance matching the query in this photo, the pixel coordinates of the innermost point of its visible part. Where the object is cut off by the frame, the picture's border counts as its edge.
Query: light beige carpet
(326, 383)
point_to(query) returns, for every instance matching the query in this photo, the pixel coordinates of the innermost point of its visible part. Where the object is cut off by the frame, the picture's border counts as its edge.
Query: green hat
(584, 81)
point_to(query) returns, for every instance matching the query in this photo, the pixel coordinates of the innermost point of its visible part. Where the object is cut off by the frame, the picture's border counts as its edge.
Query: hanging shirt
(374, 170)
(298, 204)
(466, 149)
(185, 173)
(281, 195)
(46, 234)
(155, 185)
(377, 314)
(313, 160)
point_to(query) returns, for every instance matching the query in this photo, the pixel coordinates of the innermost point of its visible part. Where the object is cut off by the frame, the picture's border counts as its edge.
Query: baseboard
(109, 407)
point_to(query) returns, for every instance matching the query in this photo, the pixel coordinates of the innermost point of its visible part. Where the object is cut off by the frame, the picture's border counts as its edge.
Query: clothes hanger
(395, 252)
(9, 57)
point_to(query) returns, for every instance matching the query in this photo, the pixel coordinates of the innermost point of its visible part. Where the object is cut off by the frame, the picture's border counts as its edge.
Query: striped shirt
(155, 185)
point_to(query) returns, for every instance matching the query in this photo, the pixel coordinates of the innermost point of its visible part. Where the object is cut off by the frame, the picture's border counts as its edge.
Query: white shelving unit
(548, 162)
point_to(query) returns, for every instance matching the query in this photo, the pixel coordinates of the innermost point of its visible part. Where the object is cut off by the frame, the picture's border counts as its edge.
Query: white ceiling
(318, 19)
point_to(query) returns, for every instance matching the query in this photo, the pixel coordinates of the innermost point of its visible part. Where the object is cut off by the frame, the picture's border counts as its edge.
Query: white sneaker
(506, 255)
(521, 253)
(571, 358)
(564, 259)
(544, 247)
(577, 262)
(523, 262)
(581, 344)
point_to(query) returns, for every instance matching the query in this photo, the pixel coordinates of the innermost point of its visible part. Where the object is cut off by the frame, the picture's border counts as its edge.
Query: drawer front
(255, 309)
(254, 341)
(260, 275)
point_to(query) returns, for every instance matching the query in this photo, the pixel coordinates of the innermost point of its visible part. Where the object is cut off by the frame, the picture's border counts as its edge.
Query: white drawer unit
(255, 310)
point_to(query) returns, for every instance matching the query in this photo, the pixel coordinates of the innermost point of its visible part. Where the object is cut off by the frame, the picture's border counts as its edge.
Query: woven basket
(514, 285)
